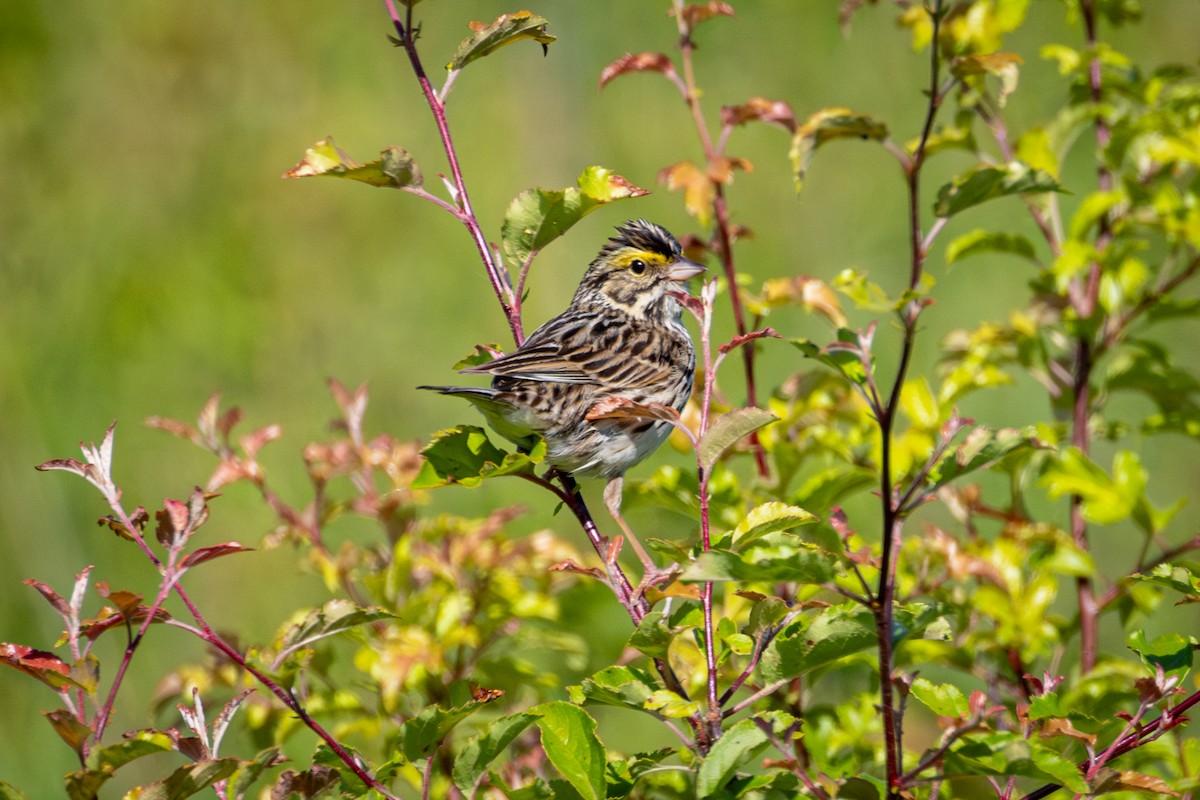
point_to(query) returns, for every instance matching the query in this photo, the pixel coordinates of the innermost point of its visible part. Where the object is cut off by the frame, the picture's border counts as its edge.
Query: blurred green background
(150, 254)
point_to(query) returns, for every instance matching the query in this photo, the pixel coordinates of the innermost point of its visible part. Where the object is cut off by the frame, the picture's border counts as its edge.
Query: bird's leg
(612, 501)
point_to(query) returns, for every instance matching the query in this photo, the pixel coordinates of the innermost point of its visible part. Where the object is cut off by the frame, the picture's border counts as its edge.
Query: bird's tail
(469, 392)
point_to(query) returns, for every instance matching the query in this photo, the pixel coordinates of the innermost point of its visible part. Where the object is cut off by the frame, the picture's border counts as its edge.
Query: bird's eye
(637, 266)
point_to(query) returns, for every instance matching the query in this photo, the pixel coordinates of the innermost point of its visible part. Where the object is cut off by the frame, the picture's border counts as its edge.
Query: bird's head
(636, 269)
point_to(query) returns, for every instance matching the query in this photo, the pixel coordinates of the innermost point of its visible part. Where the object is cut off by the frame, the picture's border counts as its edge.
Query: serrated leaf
(395, 168)
(825, 126)
(945, 700)
(624, 687)
(776, 557)
(837, 632)
(464, 455)
(421, 735)
(480, 751)
(1172, 652)
(653, 635)
(726, 432)
(1006, 754)
(844, 356)
(769, 518)
(570, 741)
(740, 743)
(504, 30)
(537, 217)
(983, 241)
(981, 184)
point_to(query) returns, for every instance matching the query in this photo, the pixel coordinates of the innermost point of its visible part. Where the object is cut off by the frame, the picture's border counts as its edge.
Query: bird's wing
(545, 356)
(579, 348)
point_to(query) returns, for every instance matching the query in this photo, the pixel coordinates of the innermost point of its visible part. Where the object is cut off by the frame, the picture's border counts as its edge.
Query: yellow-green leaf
(505, 29)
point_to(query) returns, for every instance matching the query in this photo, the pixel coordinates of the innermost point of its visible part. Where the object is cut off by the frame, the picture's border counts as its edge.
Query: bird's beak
(683, 269)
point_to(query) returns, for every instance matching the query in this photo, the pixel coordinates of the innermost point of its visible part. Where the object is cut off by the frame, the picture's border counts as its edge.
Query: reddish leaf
(213, 551)
(127, 602)
(110, 618)
(738, 341)
(175, 428)
(172, 520)
(227, 420)
(52, 597)
(570, 566)
(309, 783)
(696, 13)
(254, 442)
(46, 667)
(639, 62)
(720, 168)
(759, 109)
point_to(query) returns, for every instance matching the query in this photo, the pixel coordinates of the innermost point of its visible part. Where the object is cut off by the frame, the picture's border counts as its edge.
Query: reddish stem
(465, 214)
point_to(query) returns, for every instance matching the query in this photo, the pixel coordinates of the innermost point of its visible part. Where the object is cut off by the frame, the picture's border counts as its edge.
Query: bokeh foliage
(151, 255)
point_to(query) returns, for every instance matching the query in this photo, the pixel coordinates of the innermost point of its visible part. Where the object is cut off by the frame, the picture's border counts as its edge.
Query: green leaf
(653, 635)
(250, 771)
(504, 30)
(69, 729)
(334, 617)
(480, 751)
(1180, 578)
(981, 184)
(727, 430)
(845, 356)
(395, 167)
(740, 743)
(827, 125)
(464, 455)
(537, 217)
(188, 780)
(776, 557)
(422, 734)
(769, 518)
(982, 448)
(837, 632)
(624, 687)
(112, 757)
(570, 741)
(1006, 754)
(10, 792)
(84, 784)
(1106, 500)
(1171, 651)
(982, 241)
(671, 705)
(945, 700)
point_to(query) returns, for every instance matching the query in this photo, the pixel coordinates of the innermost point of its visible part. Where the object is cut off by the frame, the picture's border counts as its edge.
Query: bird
(621, 340)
